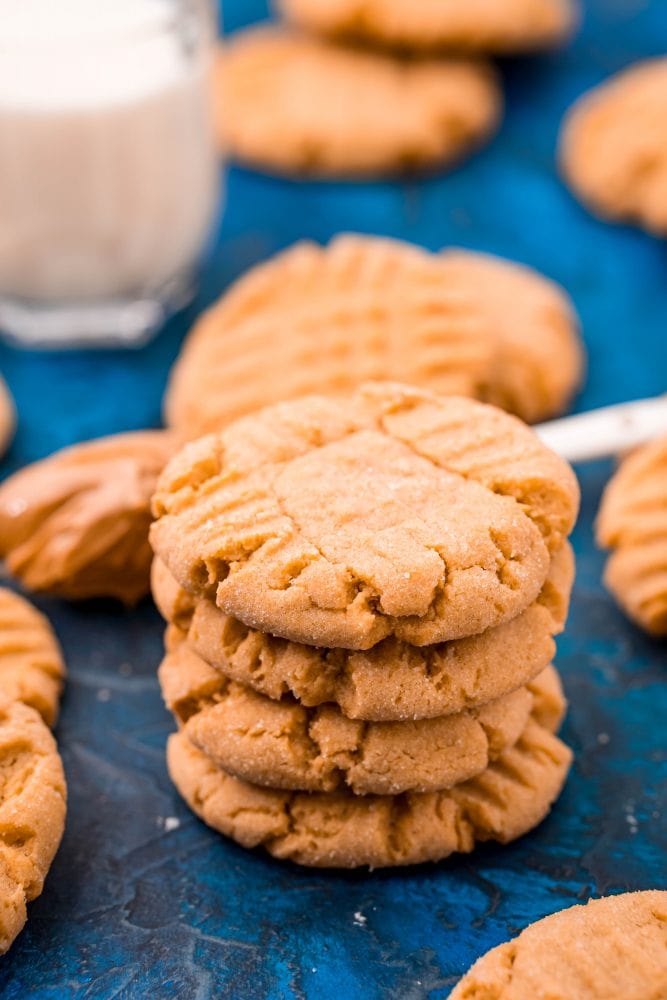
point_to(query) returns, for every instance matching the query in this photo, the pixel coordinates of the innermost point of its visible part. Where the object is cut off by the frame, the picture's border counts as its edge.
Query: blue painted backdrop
(134, 908)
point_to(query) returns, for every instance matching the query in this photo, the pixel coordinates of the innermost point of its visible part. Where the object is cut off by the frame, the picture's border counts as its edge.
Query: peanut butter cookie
(614, 147)
(342, 830)
(633, 523)
(32, 812)
(325, 319)
(76, 524)
(282, 744)
(538, 358)
(294, 104)
(31, 663)
(393, 680)
(7, 417)
(497, 26)
(612, 948)
(339, 523)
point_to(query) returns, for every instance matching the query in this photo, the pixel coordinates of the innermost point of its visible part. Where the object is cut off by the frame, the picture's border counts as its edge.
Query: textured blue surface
(131, 909)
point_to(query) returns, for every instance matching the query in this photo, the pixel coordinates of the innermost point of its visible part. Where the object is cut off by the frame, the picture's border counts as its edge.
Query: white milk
(108, 174)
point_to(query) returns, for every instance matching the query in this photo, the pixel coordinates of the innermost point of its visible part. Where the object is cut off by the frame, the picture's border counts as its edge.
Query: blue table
(143, 899)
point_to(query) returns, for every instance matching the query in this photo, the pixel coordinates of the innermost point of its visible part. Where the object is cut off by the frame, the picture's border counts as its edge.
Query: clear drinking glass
(109, 177)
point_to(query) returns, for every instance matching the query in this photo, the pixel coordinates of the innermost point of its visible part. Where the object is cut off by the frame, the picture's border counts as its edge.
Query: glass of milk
(109, 178)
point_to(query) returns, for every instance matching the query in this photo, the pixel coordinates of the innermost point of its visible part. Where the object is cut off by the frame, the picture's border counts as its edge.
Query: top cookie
(324, 319)
(498, 26)
(633, 522)
(295, 104)
(76, 523)
(614, 147)
(338, 523)
(612, 948)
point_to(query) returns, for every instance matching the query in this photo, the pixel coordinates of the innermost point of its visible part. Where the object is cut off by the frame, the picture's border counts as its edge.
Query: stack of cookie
(362, 596)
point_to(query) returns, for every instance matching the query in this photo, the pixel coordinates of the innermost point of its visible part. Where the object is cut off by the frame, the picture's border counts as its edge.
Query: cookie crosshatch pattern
(287, 103)
(142, 898)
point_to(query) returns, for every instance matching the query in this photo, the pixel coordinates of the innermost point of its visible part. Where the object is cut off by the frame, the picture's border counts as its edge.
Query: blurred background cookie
(323, 319)
(76, 523)
(294, 104)
(494, 26)
(632, 522)
(613, 147)
(538, 356)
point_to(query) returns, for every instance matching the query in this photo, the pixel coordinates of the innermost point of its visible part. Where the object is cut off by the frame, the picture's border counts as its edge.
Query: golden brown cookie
(31, 663)
(614, 948)
(633, 523)
(282, 744)
(294, 104)
(538, 358)
(341, 830)
(324, 319)
(76, 523)
(393, 680)
(497, 26)
(613, 147)
(32, 811)
(7, 417)
(339, 523)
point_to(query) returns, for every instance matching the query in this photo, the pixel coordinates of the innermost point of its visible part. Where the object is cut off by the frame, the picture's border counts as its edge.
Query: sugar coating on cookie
(32, 812)
(613, 147)
(294, 104)
(7, 417)
(341, 830)
(76, 524)
(494, 26)
(538, 357)
(282, 744)
(393, 681)
(339, 523)
(31, 662)
(325, 319)
(632, 522)
(614, 947)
